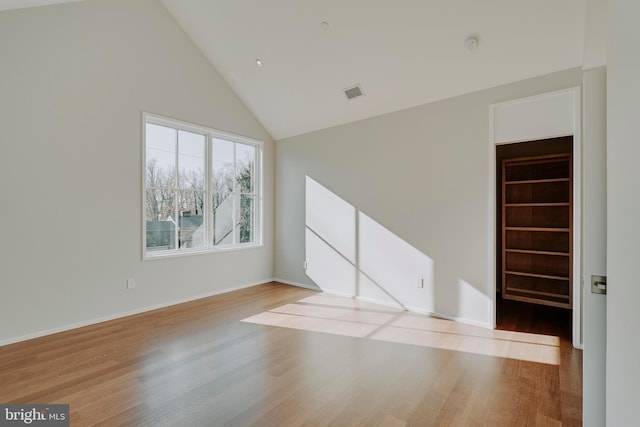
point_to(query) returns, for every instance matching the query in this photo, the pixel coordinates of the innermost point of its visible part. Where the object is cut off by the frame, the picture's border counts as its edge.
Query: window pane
(160, 156)
(160, 224)
(245, 167)
(191, 160)
(222, 166)
(191, 220)
(223, 219)
(245, 219)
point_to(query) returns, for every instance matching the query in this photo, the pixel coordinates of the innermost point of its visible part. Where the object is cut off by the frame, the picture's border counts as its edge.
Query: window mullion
(208, 209)
(234, 195)
(256, 203)
(176, 185)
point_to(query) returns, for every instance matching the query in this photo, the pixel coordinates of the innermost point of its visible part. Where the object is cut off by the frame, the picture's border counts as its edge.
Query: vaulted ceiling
(403, 53)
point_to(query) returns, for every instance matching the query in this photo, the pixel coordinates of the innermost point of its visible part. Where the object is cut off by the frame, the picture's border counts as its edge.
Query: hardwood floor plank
(211, 362)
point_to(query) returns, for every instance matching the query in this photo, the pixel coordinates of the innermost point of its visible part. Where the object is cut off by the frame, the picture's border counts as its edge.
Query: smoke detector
(353, 92)
(471, 43)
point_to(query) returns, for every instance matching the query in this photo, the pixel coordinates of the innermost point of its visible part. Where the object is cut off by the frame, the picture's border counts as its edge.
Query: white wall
(74, 80)
(422, 174)
(623, 212)
(595, 35)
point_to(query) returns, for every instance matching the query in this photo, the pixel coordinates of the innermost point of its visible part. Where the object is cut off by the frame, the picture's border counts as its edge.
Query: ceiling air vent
(353, 92)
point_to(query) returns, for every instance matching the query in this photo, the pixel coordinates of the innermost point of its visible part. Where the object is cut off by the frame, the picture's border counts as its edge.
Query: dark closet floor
(534, 318)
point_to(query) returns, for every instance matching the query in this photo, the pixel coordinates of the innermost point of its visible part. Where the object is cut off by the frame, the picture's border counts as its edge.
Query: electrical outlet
(421, 284)
(131, 283)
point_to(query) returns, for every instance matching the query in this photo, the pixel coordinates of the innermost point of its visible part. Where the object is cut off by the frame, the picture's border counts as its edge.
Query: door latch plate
(599, 285)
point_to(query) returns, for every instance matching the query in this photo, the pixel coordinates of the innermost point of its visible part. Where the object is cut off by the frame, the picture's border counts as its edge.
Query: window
(201, 189)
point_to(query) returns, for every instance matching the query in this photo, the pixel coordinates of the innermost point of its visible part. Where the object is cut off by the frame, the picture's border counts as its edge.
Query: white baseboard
(420, 311)
(380, 302)
(124, 314)
(339, 294)
(298, 284)
(462, 320)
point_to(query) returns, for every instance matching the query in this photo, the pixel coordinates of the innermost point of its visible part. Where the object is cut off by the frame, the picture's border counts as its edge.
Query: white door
(594, 245)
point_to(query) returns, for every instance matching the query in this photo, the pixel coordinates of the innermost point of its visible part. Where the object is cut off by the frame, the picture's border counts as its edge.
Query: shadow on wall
(348, 253)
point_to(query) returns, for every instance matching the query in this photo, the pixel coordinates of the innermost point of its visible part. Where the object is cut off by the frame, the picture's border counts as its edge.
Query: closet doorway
(534, 236)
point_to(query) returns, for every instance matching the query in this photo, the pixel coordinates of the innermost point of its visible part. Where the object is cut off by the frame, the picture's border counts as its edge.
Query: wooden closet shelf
(551, 158)
(553, 229)
(540, 276)
(537, 181)
(534, 252)
(521, 205)
(545, 294)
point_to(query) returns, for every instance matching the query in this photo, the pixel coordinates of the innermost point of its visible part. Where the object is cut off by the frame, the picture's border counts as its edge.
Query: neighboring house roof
(192, 221)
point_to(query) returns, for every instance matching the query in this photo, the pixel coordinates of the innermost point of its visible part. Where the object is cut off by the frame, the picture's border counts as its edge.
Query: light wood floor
(275, 355)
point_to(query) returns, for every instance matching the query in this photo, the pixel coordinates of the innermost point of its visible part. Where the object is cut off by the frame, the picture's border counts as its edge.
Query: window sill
(146, 256)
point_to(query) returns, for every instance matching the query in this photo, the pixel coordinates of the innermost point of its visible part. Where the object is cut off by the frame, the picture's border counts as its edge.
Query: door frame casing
(544, 116)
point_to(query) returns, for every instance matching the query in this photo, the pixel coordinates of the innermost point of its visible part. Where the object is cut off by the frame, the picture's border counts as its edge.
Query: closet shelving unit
(537, 229)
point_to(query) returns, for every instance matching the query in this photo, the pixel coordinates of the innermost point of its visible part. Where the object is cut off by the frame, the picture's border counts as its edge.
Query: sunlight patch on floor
(314, 324)
(363, 316)
(350, 317)
(337, 301)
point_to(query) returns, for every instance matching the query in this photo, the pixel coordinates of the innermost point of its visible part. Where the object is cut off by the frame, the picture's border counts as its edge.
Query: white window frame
(210, 134)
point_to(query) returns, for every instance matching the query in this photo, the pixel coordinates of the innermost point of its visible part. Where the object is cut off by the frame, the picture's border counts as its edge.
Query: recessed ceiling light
(258, 63)
(471, 43)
